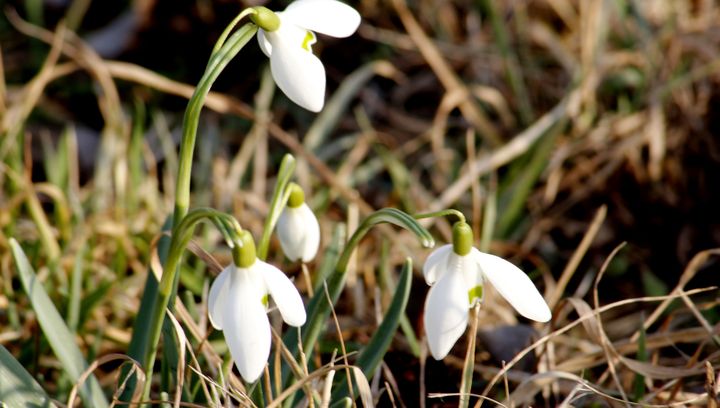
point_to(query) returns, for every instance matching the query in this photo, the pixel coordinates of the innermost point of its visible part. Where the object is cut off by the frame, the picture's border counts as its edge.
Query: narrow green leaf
(277, 203)
(526, 174)
(75, 297)
(318, 309)
(327, 120)
(58, 335)
(17, 387)
(370, 357)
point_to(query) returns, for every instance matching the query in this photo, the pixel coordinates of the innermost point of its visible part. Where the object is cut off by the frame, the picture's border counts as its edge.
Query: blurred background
(561, 128)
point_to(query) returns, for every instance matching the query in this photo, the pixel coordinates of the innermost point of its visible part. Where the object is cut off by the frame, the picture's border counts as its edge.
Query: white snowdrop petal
(329, 17)
(246, 325)
(299, 74)
(217, 298)
(311, 241)
(446, 313)
(265, 45)
(436, 263)
(284, 294)
(289, 230)
(299, 233)
(470, 269)
(514, 285)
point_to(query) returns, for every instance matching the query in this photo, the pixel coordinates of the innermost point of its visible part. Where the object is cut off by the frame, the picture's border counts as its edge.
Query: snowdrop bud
(265, 19)
(297, 227)
(462, 237)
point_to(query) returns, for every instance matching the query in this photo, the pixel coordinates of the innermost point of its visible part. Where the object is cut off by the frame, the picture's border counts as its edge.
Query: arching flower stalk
(237, 305)
(457, 273)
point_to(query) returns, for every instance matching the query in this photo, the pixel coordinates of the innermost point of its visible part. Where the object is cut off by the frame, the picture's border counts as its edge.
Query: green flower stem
(218, 61)
(388, 216)
(179, 241)
(221, 40)
(277, 203)
(442, 213)
(469, 365)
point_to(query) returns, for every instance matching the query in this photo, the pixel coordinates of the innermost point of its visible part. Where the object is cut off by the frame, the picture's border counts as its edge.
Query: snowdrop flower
(237, 305)
(457, 272)
(287, 43)
(297, 227)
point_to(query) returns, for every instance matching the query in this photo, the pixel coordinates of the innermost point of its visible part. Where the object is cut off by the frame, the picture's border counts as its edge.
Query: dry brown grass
(561, 128)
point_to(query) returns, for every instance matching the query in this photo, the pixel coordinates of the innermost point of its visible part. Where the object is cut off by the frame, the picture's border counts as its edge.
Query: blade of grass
(17, 387)
(390, 285)
(59, 337)
(515, 196)
(370, 357)
(512, 65)
(641, 355)
(75, 297)
(319, 309)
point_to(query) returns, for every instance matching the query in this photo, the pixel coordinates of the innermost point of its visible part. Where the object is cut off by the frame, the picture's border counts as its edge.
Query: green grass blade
(17, 387)
(318, 309)
(327, 120)
(287, 167)
(75, 298)
(514, 197)
(57, 333)
(370, 357)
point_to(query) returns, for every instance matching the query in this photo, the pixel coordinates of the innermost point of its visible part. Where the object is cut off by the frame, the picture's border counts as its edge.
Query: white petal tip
(250, 374)
(541, 314)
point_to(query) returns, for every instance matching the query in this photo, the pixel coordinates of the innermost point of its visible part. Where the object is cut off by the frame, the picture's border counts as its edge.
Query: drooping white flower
(237, 305)
(298, 228)
(299, 73)
(457, 272)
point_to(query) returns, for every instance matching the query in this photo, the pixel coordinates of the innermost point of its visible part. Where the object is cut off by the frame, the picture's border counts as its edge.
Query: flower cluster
(239, 297)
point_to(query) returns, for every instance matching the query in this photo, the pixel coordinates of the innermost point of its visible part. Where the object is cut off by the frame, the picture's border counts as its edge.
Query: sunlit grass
(541, 121)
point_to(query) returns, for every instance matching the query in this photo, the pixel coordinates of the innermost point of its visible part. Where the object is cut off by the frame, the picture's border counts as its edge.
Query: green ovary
(265, 300)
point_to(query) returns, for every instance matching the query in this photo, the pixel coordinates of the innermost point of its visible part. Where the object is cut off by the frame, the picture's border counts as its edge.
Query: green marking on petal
(308, 41)
(475, 293)
(265, 300)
